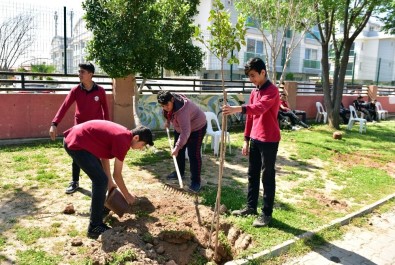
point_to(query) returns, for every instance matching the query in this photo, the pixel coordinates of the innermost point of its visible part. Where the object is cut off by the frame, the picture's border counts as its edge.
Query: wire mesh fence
(51, 33)
(36, 33)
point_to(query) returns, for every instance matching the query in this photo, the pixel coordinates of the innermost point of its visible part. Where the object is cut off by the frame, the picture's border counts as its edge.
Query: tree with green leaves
(224, 38)
(387, 16)
(142, 37)
(42, 68)
(339, 23)
(282, 25)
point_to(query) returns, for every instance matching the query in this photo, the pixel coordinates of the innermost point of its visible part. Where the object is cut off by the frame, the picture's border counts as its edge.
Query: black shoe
(173, 176)
(95, 232)
(244, 212)
(262, 221)
(194, 188)
(72, 187)
(304, 125)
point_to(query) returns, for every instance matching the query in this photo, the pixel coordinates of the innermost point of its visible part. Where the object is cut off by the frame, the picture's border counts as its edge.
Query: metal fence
(55, 83)
(40, 30)
(39, 82)
(56, 34)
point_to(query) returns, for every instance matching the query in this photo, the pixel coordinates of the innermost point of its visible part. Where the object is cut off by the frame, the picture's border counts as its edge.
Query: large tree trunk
(123, 92)
(326, 86)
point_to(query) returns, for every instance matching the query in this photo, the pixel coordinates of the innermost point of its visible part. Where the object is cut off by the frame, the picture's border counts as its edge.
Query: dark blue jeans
(194, 145)
(92, 166)
(262, 157)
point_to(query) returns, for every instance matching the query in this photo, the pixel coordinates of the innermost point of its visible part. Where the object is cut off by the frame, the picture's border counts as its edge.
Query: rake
(173, 187)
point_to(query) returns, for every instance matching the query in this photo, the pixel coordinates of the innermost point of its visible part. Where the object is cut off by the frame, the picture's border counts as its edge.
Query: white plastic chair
(354, 118)
(381, 113)
(215, 135)
(321, 113)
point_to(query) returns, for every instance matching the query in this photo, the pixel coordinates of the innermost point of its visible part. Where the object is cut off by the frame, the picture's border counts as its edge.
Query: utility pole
(378, 72)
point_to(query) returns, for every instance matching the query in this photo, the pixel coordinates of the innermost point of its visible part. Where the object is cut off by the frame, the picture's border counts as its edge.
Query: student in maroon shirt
(190, 125)
(286, 111)
(91, 144)
(261, 140)
(91, 104)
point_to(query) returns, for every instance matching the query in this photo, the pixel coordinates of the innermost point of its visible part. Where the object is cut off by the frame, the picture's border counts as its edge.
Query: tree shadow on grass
(18, 205)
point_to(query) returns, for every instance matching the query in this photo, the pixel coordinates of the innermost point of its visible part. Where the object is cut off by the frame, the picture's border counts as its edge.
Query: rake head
(174, 188)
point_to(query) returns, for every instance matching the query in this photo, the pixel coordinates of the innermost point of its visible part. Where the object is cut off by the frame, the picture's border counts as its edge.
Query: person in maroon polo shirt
(91, 144)
(286, 111)
(91, 104)
(261, 140)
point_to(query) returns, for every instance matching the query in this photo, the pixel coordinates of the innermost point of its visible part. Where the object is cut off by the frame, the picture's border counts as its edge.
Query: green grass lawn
(319, 179)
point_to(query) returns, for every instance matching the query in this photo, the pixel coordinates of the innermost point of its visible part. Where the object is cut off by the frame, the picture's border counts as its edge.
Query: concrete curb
(277, 250)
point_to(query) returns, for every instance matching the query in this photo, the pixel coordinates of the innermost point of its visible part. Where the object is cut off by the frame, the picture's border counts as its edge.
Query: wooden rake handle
(175, 160)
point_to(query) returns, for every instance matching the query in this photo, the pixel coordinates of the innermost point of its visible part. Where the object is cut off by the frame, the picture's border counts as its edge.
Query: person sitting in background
(286, 111)
(367, 108)
(344, 113)
(372, 110)
(283, 122)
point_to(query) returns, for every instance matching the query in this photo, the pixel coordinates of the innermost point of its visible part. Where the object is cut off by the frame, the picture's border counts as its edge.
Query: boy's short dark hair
(256, 64)
(88, 67)
(144, 133)
(164, 97)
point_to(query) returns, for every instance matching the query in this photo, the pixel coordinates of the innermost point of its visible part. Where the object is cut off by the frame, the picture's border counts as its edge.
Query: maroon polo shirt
(262, 111)
(103, 139)
(90, 105)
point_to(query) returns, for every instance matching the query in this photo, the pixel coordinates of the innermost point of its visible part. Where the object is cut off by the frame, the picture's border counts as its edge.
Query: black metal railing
(44, 83)
(39, 82)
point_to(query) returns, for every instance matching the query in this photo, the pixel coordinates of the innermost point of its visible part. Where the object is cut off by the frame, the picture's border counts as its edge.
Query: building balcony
(249, 55)
(313, 64)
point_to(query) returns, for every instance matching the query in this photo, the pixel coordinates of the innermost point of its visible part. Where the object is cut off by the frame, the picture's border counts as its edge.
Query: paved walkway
(366, 246)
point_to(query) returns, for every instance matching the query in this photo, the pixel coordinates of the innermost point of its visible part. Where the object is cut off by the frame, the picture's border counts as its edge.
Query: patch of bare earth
(165, 226)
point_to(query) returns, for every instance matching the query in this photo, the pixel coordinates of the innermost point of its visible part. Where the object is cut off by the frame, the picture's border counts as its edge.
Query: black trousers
(262, 157)
(75, 171)
(194, 145)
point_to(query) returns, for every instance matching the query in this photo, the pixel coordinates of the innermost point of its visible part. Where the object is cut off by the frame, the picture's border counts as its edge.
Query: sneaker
(173, 176)
(262, 220)
(95, 232)
(194, 188)
(244, 212)
(72, 187)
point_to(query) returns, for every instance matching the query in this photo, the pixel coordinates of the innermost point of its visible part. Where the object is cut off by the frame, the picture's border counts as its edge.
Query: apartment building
(371, 59)
(304, 63)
